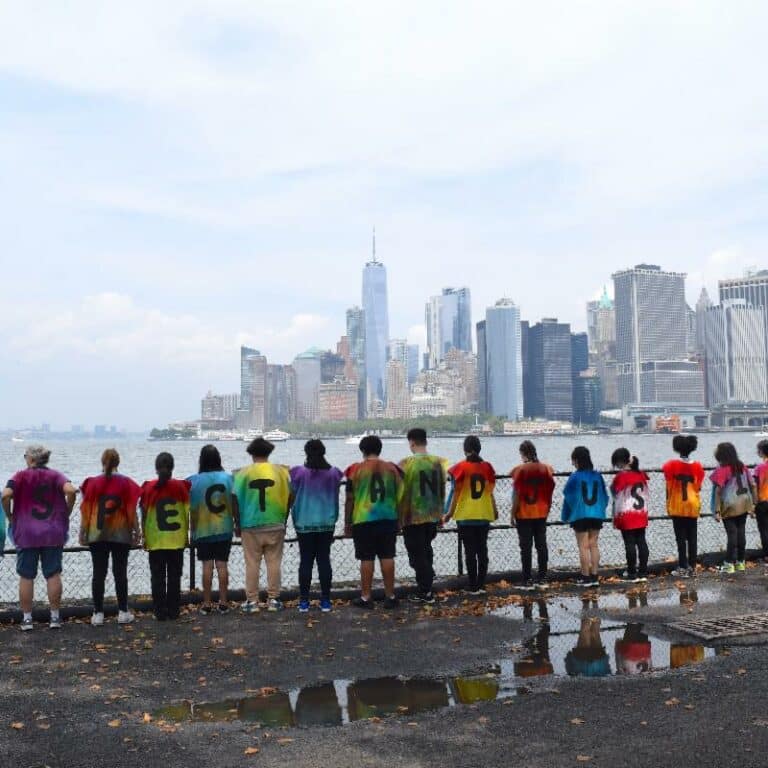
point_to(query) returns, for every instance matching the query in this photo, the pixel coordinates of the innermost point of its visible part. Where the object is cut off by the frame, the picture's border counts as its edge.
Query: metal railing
(503, 549)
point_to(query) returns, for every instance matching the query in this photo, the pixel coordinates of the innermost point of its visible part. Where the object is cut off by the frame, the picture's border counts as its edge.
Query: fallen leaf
(239, 652)
(17, 726)
(577, 721)
(673, 702)
(250, 750)
(147, 717)
(284, 740)
(114, 723)
(43, 726)
(689, 706)
(583, 758)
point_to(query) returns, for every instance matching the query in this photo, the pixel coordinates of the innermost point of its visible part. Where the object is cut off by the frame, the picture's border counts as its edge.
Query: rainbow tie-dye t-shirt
(165, 513)
(630, 499)
(210, 506)
(376, 487)
(473, 484)
(108, 508)
(315, 498)
(533, 485)
(684, 479)
(424, 479)
(263, 492)
(760, 474)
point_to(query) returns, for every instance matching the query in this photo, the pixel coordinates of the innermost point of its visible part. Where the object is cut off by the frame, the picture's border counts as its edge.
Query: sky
(179, 178)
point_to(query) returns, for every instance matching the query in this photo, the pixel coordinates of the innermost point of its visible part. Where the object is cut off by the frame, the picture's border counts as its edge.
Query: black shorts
(374, 540)
(586, 524)
(213, 550)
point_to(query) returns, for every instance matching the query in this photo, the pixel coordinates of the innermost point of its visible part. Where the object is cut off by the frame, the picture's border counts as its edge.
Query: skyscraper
(413, 362)
(308, 371)
(504, 369)
(651, 338)
(376, 326)
(702, 305)
(356, 337)
(601, 325)
(753, 288)
(281, 395)
(448, 319)
(482, 368)
(252, 413)
(550, 370)
(398, 397)
(734, 347)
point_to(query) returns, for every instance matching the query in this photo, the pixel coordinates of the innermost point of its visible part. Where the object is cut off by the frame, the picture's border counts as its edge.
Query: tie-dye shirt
(376, 487)
(630, 498)
(424, 479)
(533, 484)
(40, 513)
(760, 475)
(210, 506)
(731, 492)
(263, 492)
(108, 508)
(166, 513)
(315, 498)
(473, 484)
(584, 497)
(684, 479)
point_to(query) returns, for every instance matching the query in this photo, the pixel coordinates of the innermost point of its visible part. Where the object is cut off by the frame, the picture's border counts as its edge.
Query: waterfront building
(413, 362)
(253, 390)
(448, 319)
(281, 395)
(398, 397)
(376, 314)
(356, 337)
(753, 289)
(735, 353)
(219, 406)
(549, 368)
(504, 368)
(601, 326)
(482, 368)
(652, 338)
(337, 401)
(308, 372)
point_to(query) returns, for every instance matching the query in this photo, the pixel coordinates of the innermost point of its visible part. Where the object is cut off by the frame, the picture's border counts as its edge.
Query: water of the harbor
(80, 458)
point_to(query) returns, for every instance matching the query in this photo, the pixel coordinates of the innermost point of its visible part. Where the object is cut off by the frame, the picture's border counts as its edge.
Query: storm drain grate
(732, 626)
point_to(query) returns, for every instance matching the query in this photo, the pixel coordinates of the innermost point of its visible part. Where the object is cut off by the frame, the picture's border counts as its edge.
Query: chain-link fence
(503, 549)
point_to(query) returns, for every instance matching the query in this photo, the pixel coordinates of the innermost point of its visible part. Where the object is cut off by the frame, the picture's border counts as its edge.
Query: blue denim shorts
(48, 557)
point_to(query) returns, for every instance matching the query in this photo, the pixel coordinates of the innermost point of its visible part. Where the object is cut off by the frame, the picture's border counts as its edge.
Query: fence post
(192, 585)
(459, 554)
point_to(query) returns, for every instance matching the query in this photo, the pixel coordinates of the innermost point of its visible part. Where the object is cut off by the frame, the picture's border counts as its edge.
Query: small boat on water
(354, 439)
(17, 439)
(276, 436)
(761, 434)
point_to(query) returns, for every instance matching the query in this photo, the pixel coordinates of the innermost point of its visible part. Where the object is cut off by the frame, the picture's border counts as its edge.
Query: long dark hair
(315, 453)
(726, 456)
(528, 451)
(621, 458)
(210, 459)
(582, 458)
(164, 467)
(472, 448)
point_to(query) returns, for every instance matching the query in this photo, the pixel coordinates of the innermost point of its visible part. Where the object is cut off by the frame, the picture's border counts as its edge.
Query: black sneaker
(594, 581)
(582, 581)
(527, 586)
(391, 602)
(360, 602)
(542, 584)
(425, 598)
(223, 608)
(205, 609)
(630, 577)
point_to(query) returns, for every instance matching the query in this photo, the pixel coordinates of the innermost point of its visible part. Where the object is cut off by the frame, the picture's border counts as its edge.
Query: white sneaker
(97, 619)
(27, 625)
(55, 622)
(125, 617)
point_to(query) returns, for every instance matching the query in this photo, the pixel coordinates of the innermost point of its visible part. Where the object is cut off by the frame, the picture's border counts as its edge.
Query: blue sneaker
(325, 605)
(303, 605)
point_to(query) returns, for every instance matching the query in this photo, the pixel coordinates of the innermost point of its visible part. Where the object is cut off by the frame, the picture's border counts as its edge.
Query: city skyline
(188, 178)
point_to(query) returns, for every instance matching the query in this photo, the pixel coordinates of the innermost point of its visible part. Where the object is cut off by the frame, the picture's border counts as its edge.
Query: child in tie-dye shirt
(212, 524)
(262, 500)
(165, 521)
(109, 525)
(733, 496)
(760, 475)
(683, 480)
(374, 490)
(315, 488)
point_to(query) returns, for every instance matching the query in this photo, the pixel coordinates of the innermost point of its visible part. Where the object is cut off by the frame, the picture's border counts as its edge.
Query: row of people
(253, 503)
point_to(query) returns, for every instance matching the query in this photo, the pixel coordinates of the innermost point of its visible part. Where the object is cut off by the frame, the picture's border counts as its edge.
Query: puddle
(569, 641)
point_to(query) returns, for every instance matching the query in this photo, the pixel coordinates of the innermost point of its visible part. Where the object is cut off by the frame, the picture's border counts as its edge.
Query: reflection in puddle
(568, 642)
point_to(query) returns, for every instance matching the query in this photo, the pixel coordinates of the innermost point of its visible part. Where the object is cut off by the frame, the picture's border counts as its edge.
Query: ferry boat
(277, 436)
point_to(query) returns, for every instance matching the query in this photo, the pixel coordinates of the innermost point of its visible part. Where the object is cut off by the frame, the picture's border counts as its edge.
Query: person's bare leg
(222, 570)
(388, 574)
(594, 552)
(366, 578)
(207, 581)
(26, 594)
(54, 591)
(582, 541)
